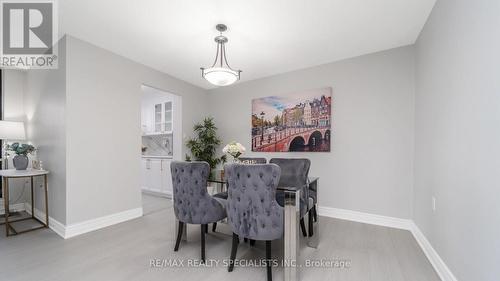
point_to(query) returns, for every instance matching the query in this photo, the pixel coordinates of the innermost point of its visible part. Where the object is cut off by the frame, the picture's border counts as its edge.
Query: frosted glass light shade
(220, 76)
(10, 130)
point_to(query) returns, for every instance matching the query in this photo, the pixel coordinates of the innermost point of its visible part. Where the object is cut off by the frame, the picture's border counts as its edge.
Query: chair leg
(303, 227)
(214, 226)
(268, 260)
(315, 214)
(310, 216)
(179, 236)
(252, 242)
(203, 231)
(245, 240)
(234, 248)
(206, 228)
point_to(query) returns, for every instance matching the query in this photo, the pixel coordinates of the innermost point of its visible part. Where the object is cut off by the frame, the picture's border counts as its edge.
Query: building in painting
(315, 105)
(324, 112)
(307, 114)
(287, 117)
(293, 117)
(315, 113)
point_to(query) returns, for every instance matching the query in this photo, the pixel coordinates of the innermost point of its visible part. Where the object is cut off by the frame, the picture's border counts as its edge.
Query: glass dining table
(291, 240)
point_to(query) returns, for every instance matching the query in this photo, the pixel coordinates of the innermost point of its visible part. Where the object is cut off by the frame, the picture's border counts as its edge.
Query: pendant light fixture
(220, 73)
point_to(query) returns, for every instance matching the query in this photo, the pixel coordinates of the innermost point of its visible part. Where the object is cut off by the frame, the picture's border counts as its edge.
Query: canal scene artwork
(294, 122)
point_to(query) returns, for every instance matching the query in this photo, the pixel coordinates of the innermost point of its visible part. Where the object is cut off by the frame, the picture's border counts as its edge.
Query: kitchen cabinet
(163, 117)
(157, 118)
(155, 176)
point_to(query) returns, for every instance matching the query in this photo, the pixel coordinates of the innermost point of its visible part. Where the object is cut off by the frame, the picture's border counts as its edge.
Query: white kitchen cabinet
(157, 117)
(163, 117)
(155, 176)
(144, 173)
(166, 176)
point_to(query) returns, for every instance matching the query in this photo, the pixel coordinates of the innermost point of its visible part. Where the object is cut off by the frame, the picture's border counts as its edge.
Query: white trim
(73, 230)
(54, 224)
(13, 208)
(349, 215)
(157, 193)
(439, 265)
(441, 268)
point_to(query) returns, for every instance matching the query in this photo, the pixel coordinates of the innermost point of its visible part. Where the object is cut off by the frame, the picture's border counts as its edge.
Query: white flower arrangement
(234, 149)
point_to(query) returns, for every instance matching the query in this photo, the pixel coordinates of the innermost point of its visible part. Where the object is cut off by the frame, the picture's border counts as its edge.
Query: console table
(30, 173)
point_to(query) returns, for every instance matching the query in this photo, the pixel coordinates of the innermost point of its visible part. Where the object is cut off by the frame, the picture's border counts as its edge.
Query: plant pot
(20, 162)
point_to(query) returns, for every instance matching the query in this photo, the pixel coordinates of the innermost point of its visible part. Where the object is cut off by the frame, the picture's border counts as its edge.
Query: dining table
(291, 239)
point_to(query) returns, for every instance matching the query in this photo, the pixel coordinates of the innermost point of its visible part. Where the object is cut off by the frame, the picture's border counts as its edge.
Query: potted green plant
(205, 143)
(21, 150)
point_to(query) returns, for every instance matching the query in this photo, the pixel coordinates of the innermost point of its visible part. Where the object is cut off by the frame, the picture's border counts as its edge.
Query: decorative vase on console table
(21, 150)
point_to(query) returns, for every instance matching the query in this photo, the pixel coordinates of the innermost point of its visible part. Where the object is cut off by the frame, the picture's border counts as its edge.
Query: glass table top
(218, 177)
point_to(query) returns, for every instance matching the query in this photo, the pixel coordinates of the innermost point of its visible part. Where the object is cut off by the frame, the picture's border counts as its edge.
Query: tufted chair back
(295, 172)
(192, 203)
(252, 160)
(252, 209)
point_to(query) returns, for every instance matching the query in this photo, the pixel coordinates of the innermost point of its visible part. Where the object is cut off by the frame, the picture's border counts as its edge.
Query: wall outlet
(433, 203)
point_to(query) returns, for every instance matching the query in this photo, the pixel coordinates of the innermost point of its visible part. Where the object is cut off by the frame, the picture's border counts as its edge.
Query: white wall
(104, 127)
(13, 94)
(457, 155)
(13, 110)
(370, 167)
(44, 105)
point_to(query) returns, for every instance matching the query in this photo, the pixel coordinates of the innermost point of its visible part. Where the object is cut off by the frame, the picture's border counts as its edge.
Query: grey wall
(370, 167)
(44, 105)
(13, 94)
(458, 135)
(104, 127)
(13, 110)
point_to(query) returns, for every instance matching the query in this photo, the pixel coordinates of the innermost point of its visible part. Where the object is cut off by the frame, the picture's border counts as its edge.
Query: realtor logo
(28, 33)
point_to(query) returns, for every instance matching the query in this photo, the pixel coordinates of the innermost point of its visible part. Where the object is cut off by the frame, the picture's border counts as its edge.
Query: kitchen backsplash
(157, 145)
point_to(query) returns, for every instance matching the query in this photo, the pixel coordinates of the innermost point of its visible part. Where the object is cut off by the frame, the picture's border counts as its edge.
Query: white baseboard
(54, 224)
(365, 218)
(439, 266)
(13, 208)
(73, 230)
(157, 193)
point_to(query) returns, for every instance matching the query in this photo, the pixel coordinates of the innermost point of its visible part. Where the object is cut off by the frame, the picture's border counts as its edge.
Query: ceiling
(266, 37)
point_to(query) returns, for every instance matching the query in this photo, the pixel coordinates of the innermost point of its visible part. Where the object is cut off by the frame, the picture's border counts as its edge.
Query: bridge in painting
(290, 139)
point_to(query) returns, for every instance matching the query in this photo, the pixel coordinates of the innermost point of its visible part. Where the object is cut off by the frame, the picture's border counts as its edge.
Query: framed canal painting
(294, 122)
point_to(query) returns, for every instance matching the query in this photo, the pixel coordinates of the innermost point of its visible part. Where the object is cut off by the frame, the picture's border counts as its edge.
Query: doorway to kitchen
(161, 135)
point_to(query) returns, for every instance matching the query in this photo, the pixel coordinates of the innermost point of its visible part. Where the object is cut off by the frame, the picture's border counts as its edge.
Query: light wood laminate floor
(125, 252)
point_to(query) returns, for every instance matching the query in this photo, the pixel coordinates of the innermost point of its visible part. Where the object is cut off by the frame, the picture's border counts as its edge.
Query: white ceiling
(266, 37)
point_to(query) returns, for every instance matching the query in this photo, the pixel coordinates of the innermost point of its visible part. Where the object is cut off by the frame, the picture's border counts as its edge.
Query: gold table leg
(46, 201)
(32, 200)
(6, 204)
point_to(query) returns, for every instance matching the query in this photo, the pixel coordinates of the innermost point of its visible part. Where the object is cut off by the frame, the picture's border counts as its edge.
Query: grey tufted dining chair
(253, 160)
(192, 203)
(295, 172)
(243, 160)
(252, 210)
